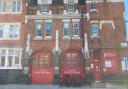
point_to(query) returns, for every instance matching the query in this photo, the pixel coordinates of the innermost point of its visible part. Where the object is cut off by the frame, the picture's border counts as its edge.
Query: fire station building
(51, 41)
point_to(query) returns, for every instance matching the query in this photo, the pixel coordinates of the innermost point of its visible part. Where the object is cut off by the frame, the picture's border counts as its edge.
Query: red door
(97, 70)
(73, 67)
(41, 72)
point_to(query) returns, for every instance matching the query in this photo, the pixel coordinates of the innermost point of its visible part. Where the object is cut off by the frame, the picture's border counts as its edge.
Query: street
(14, 86)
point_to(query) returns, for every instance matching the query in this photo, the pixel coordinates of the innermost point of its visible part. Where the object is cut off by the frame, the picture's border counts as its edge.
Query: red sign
(109, 54)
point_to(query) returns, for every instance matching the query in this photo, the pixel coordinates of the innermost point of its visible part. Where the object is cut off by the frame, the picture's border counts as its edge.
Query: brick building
(12, 37)
(68, 40)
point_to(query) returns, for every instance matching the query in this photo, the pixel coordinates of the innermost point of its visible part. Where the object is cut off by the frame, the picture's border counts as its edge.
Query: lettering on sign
(71, 71)
(109, 54)
(42, 72)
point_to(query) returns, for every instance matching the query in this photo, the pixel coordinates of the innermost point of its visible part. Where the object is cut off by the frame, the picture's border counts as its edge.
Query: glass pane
(3, 53)
(66, 28)
(39, 59)
(44, 8)
(14, 31)
(11, 52)
(1, 30)
(48, 26)
(16, 61)
(4, 6)
(1, 33)
(14, 7)
(48, 32)
(34, 61)
(10, 61)
(17, 53)
(2, 63)
(18, 6)
(46, 61)
(75, 28)
(38, 29)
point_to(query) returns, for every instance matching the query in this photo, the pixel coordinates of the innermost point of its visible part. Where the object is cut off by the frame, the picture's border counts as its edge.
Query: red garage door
(41, 71)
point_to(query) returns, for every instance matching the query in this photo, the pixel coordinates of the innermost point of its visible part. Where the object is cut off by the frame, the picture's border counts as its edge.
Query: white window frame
(93, 7)
(96, 35)
(16, 7)
(2, 29)
(75, 28)
(38, 27)
(3, 6)
(70, 6)
(14, 66)
(15, 27)
(7, 29)
(66, 37)
(44, 6)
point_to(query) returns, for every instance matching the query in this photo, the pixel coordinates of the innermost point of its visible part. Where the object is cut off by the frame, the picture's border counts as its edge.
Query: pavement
(20, 86)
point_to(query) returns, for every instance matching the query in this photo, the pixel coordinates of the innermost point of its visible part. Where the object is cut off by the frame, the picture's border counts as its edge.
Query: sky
(126, 16)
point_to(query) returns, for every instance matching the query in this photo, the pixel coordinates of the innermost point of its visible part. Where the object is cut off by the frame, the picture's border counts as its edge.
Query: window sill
(38, 38)
(10, 67)
(10, 12)
(9, 38)
(47, 38)
(93, 10)
(66, 37)
(95, 36)
(75, 37)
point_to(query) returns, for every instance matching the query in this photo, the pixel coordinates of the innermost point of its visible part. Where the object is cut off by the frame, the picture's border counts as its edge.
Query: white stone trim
(66, 37)
(47, 37)
(66, 20)
(66, 1)
(48, 21)
(88, 16)
(94, 22)
(75, 20)
(106, 22)
(46, 2)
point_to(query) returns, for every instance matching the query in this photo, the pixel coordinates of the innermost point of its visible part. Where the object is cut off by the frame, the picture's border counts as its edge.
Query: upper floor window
(14, 31)
(3, 6)
(70, 6)
(57, 1)
(1, 31)
(81, 2)
(16, 6)
(75, 28)
(94, 31)
(48, 27)
(66, 29)
(44, 6)
(93, 6)
(38, 29)
(9, 31)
